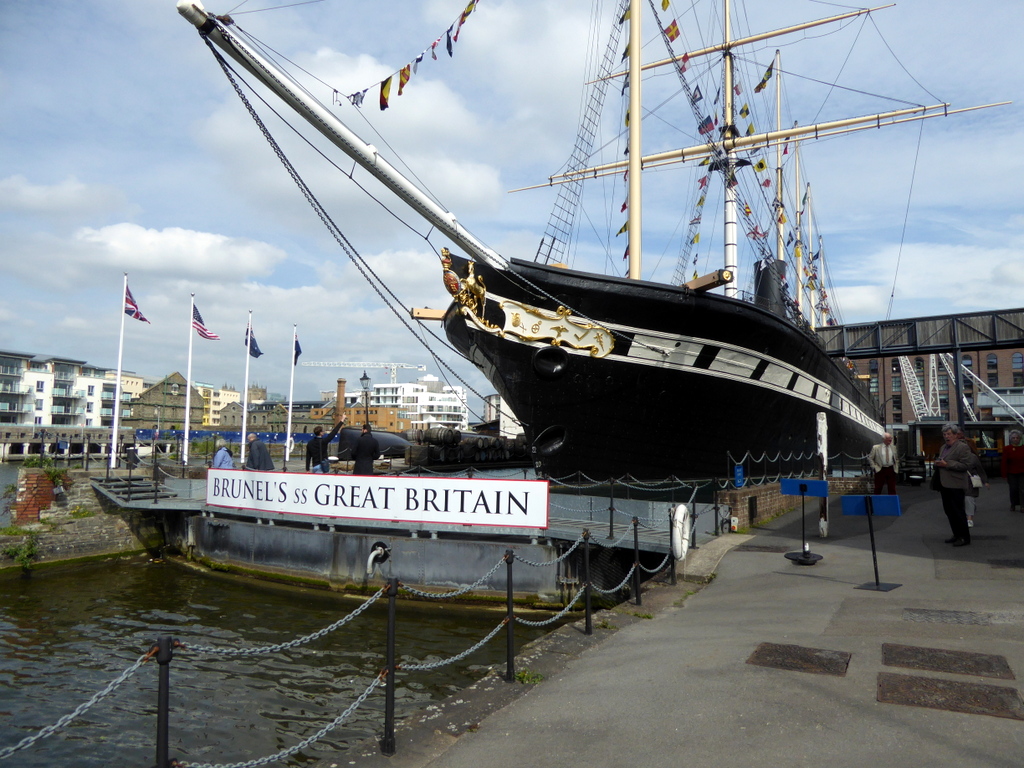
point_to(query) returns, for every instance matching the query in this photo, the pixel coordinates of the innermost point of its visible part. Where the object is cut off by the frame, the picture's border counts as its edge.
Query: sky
(124, 149)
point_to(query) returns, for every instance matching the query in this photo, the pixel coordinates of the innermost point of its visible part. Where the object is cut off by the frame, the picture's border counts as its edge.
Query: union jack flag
(131, 307)
(202, 330)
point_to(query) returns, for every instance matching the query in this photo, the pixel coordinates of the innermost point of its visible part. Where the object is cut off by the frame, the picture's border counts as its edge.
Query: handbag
(936, 483)
(976, 481)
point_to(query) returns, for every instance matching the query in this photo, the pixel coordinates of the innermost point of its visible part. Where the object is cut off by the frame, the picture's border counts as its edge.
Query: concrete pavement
(669, 683)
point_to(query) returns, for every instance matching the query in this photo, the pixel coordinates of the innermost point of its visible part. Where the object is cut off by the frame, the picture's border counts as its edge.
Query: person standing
(886, 463)
(952, 477)
(365, 452)
(223, 459)
(317, 448)
(259, 456)
(1013, 470)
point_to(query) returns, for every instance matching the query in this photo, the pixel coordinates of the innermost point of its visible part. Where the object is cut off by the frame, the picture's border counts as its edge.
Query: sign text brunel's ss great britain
(454, 501)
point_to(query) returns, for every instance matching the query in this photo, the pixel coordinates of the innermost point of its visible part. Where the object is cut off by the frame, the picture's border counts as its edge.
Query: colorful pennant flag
(745, 111)
(697, 95)
(672, 31)
(764, 80)
(706, 126)
(761, 165)
(664, 5)
(403, 77)
(297, 351)
(463, 17)
(385, 94)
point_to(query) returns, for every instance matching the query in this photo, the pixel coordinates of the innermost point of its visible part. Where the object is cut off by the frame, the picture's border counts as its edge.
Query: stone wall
(758, 504)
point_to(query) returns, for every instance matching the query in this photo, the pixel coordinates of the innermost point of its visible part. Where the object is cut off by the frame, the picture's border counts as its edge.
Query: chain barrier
(557, 560)
(302, 744)
(615, 589)
(659, 568)
(459, 657)
(291, 643)
(457, 592)
(80, 709)
(554, 618)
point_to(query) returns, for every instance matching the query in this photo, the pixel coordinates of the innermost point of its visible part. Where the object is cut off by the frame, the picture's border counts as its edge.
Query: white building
(496, 411)
(426, 403)
(215, 399)
(42, 390)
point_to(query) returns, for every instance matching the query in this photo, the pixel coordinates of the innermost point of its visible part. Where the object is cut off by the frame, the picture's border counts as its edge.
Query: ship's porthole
(551, 440)
(550, 362)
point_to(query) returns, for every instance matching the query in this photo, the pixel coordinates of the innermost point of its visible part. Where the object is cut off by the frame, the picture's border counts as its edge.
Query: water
(64, 635)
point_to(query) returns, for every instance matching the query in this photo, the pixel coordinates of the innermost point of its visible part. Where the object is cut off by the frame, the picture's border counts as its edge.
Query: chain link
(659, 568)
(302, 744)
(615, 589)
(556, 560)
(444, 662)
(291, 643)
(457, 592)
(80, 709)
(554, 618)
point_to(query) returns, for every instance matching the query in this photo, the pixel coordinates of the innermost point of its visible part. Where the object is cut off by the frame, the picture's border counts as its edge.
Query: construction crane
(392, 367)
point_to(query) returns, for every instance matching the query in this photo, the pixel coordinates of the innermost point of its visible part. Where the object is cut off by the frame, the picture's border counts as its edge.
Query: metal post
(510, 621)
(387, 744)
(163, 657)
(636, 558)
(611, 509)
(870, 509)
(589, 622)
(671, 552)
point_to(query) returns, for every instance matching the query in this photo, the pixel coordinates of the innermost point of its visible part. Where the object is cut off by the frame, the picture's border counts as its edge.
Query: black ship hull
(693, 384)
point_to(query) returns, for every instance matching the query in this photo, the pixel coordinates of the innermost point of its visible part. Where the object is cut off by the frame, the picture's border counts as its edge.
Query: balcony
(76, 394)
(66, 410)
(15, 408)
(14, 389)
(7, 370)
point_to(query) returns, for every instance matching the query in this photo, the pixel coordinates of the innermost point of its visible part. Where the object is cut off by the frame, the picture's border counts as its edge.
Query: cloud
(69, 199)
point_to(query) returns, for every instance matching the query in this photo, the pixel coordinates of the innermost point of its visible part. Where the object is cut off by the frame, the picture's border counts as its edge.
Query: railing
(164, 649)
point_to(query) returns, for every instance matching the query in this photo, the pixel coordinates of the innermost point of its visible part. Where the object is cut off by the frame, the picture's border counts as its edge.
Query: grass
(526, 677)
(23, 553)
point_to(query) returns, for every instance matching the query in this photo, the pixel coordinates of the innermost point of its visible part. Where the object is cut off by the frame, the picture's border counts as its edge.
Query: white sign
(453, 501)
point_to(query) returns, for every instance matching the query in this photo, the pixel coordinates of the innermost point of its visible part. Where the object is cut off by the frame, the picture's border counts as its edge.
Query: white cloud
(67, 199)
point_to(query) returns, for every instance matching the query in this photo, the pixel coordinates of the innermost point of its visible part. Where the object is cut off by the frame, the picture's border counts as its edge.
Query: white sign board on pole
(446, 500)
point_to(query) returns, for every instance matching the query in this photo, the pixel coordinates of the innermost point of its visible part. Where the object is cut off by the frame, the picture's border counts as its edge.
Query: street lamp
(365, 381)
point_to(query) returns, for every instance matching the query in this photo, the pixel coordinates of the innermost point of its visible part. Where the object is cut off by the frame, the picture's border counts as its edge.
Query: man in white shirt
(886, 463)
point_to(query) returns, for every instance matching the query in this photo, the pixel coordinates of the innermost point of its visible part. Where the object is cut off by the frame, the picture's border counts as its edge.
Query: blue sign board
(882, 506)
(799, 487)
(737, 474)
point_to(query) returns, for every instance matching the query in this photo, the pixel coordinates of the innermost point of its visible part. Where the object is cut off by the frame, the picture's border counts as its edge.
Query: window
(897, 384)
(88, 422)
(992, 362)
(91, 390)
(39, 420)
(40, 386)
(88, 407)
(39, 405)
(873, 366)
(1017, 367)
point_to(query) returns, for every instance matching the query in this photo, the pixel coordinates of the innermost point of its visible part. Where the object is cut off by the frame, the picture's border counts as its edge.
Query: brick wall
(769, 503)
(35, 494)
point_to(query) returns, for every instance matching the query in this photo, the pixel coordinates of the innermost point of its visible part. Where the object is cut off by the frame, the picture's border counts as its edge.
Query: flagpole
(117, 386)
(291, 390)
(188, 386)
(245, 391)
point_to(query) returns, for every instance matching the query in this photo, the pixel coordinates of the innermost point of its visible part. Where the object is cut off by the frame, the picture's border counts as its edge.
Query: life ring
(379, 553)
(680, 531)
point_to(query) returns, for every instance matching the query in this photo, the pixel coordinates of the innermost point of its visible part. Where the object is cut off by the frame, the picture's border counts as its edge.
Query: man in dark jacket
(259, 456)
(317, 448)
(365, 452)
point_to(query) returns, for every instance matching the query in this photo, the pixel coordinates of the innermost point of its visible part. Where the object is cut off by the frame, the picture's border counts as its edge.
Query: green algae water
(65, 634)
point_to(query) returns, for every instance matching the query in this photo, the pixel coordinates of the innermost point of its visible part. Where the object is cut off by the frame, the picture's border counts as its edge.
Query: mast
(816, 289)
(729, 132)
(798, 247)
(780, 221)
(216, 30)
(635, 220)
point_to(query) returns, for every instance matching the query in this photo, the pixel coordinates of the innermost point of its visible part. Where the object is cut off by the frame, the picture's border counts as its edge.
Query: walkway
(678, 689)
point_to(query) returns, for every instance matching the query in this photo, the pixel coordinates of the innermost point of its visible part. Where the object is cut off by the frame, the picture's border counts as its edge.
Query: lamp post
(365, 381)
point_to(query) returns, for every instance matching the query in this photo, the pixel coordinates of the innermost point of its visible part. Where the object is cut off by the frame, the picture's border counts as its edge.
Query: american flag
(197, 323)
(131, 308)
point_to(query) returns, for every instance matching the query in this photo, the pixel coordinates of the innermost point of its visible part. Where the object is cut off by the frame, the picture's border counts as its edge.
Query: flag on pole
(131, 307)
(250, 342)
(298, 351)
(201, 329)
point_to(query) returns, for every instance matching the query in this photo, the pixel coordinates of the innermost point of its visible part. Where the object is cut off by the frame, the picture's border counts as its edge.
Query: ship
(617, 377)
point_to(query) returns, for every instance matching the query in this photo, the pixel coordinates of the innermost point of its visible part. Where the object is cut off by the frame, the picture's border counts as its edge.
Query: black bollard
(387, 744)
(589, 622)
(510, 625)
(164, 654)
(611, 508)
(636, 559)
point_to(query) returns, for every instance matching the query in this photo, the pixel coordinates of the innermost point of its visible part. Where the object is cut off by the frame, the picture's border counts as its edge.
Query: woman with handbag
(953, 479)
(976, 478)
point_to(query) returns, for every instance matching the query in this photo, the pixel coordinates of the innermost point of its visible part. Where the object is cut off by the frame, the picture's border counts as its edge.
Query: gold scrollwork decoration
(533, 324)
